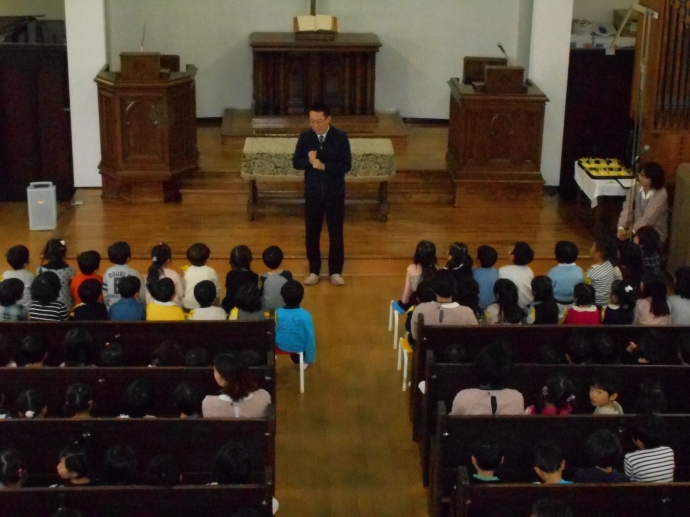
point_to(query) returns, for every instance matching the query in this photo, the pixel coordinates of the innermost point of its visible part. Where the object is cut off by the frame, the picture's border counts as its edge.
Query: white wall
(86, 54)
(424, 42)
(549, 59)
(598, 10)
(52, 9)
(524, 44)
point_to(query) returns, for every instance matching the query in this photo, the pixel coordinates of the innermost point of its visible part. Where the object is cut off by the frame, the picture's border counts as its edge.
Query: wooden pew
(109, 385)
(192, 442)
(452, 443)
(140, 338)
(525, 341)
(610, 500)
(444, 381)
(141, 501)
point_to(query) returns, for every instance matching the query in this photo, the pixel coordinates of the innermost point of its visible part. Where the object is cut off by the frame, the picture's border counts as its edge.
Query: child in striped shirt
(601, 274)
(653, 462)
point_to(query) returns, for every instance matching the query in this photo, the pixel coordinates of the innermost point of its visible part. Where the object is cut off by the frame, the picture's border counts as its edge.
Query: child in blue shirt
(549, 463)
(294, 326)
(128, 307)
(486, 275)
(566, 275)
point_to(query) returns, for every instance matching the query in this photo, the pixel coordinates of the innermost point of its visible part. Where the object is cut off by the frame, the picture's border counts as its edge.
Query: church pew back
(140, 501)
(611, 500)
(525, 341)
(109, 385)
(140, 338)
(517, 435)
(444, 381)
(192, 442)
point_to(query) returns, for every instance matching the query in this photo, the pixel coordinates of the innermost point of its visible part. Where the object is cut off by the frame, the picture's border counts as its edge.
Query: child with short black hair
(271, 282)
(240, 274)
(566, 275)
(549, 463)
(487, 456)
(603, 392)
(197, 357)
(205, 294)
(557, 396)
(120, 466)
(53, 260)
(604, 349)
(78, 401)
(248, 304)
(167, 354)
(18, 259)
(544, 309)
(649, 240)
(578, 349)
(74, 467)
(90, 309)
(164, 307)
(34, 351)
(45, 305)
(651, 398)
(112, 355)
(520, 273)
(198, 254)
(605, 452)
(138, 399)
(621, 307)
(31, 404)
(601, 274)
(486, 274)
(119, 254)
(188, 399)
(129, 306)
(294, 325)
(76, 348)
(11, 291)
(653, 462)
(88, 262)
(583, 311)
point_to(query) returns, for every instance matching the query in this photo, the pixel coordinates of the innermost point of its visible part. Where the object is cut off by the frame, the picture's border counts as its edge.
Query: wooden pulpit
(147, 117)
(495, 133)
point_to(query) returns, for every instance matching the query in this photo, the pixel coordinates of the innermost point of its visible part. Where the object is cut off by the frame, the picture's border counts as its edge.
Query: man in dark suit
(323, 153)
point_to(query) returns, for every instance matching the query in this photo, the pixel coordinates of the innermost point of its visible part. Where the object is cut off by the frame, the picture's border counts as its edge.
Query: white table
(593, 188)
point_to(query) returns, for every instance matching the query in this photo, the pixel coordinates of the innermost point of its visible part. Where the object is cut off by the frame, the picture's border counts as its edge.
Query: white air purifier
(42, 201)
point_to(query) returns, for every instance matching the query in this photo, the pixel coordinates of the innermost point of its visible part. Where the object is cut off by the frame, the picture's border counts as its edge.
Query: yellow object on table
(604, 168)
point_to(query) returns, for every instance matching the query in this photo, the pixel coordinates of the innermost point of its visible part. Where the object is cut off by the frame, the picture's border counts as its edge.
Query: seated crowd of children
(624, 286)
(56, 293)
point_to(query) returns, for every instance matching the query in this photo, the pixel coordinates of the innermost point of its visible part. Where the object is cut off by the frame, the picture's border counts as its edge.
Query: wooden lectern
(495, 133)
(147, 117)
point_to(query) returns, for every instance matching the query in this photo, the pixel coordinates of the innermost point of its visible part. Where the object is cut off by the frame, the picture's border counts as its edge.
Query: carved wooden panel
(108, 127)
(142, 129)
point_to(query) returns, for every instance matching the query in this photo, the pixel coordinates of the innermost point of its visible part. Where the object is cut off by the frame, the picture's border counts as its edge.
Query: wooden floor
(343, 447)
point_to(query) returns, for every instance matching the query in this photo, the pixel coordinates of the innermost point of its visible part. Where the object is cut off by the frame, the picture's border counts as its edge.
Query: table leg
(251, 202)
(384, 208)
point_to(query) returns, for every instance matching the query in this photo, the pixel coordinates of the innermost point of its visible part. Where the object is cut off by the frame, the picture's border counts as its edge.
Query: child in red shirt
(583, 312)
(89, 262)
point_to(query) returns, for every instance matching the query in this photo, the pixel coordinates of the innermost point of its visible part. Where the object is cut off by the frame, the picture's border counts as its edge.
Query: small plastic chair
(394, 313)
(404, 350)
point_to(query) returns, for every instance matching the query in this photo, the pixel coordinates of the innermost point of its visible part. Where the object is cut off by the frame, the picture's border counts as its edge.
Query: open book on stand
(320, 26)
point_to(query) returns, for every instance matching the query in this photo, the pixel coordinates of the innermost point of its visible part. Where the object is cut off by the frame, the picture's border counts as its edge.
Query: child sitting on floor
(129, 306)
(486, 275)
(119, 254)
(652, 308)
(566, 275)
(272, 282)
(520, 273)
(294, 326)
(90, 309)
(53, 260)
(161, 258)
(544, 309)
(45, 305)
(205, 294)
(621, 307)
(649, 241)
(11, 291)
(603, 392)
(424, 267)
(486, 458)
(248, 304)
(506, 310)
(164, 307)
(18, 259)
(601, 274)
(88, 262)
(583, 312)
(240, 274)
(198, 254)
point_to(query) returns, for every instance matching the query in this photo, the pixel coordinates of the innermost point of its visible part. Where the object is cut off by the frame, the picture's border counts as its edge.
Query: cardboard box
(631, 28)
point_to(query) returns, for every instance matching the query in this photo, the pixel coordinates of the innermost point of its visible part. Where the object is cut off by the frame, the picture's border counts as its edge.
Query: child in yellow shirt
(164, 308)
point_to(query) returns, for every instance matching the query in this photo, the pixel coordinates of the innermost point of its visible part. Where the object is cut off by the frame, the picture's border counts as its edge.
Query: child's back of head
(205, 293)
(90, 290)
(76, 347)
(487, 454)
(188, 399)
(522, 254)
(584, 295)
(89, 262)
(232, 464)
(649, 239)
(168, 353)
(292, 293)
(648, 431)
(604, 349)
(17, 257)
(272, 257)
(198, 254)
(197, 357)
(558, 394)
(54, 251)
(604, 449)
(487, 256)
(241, 257)
(425, 292)
(119, 253)
(623, 294)
(128, 286)
(45, 288)
(578, 349)
(248, 298)
(459, 256)
(548, 457)
(163, 290)
(138, 398)
(163, 471)
(11, 291)
(33, 350)
(111, 355)
(566, 252)
(651, 398)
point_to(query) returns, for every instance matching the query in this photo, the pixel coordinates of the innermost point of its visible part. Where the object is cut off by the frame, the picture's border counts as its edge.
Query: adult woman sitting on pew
(493, 366)
(240, 397)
